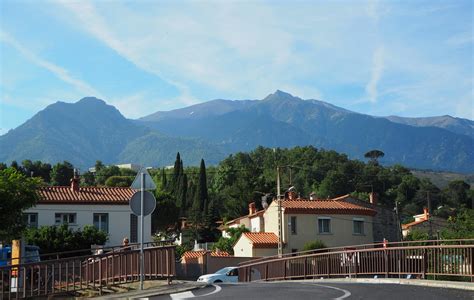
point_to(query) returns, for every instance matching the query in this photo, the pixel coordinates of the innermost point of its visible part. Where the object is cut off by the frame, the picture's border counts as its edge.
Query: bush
(314, 245)
(61, 238)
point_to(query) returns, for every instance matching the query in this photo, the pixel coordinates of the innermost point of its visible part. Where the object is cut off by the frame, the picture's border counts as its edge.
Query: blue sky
(407, 58)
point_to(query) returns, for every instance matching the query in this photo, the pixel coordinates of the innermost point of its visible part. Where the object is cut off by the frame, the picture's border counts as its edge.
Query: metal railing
(89, 272)
(370, 246)
(432, 260)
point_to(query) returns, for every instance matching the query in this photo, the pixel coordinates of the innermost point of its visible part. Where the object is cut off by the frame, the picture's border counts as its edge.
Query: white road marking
(182, 295)
(346, 292)
(187, 295)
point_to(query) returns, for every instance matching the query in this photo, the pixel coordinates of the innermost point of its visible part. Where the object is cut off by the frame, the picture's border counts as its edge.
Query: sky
(406, 58)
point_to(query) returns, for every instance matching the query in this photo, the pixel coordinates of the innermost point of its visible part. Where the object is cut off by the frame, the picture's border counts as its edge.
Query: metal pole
(142, 192)
(280, 225)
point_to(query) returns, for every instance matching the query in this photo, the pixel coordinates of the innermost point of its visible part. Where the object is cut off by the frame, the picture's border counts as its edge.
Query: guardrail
(371, 246)
(72, 274)
(415, 261)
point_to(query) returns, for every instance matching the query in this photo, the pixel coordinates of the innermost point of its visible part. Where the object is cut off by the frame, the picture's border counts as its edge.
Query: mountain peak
(281, 95)
(91, 100)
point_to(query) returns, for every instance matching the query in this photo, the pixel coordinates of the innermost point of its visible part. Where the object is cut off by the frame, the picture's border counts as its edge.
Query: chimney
(313, 196)
(75, 182)
(252, 209)
(373, 198)
(292, 195)
(426, 213)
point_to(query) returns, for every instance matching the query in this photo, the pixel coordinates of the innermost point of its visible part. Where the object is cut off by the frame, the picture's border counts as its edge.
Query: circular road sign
(149, 203)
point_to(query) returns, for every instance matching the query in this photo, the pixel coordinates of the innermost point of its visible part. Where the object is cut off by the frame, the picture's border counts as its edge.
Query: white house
(107, 208)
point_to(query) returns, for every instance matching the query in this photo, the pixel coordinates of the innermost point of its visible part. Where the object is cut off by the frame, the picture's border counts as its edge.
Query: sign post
(147, 203)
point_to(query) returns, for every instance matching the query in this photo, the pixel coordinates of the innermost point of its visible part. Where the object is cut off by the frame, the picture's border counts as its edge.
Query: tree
(62, 238)
(119, 181)
(374, 155)
(62, 173)
(166, 213)
(226, 244)
(88, 179)
(37, 169)
(17, 193)
(460, 227)
(105, 173)
(456, 194)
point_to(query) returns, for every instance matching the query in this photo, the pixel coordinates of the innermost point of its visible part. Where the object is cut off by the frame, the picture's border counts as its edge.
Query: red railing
(431, 260)
(68, 275)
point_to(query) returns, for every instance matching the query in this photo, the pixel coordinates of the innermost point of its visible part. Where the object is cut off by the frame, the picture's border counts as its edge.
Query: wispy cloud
(376, 74)
(58, 71)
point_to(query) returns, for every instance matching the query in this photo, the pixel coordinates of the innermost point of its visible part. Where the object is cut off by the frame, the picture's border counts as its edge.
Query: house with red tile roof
(424, 222)
(107, 208)
(336, 222)
(253, 221)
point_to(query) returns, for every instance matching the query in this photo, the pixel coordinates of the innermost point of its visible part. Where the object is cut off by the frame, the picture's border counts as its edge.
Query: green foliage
(417, 235)
(180, 249)
(17, 193)
(62, 173)
(374, 155)
(37, 169)
(227, 244)
(61, 238)
(314, 245)
(105, 173)
(461, 226)
(119, 181)
(166, 213)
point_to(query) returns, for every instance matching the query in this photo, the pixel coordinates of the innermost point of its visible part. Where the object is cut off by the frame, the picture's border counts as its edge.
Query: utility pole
(280, 228)
(429, 214)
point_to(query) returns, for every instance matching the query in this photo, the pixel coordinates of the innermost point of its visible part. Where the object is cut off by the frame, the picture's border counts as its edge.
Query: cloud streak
(376, 74)
(58, 71)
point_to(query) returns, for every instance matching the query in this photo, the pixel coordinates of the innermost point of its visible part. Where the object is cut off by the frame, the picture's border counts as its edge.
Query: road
(313, 290)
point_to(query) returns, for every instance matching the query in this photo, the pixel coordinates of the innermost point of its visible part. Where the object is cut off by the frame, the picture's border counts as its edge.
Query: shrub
(314, 245)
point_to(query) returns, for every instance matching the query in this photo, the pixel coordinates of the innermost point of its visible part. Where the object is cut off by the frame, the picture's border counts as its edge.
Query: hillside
(91, 130)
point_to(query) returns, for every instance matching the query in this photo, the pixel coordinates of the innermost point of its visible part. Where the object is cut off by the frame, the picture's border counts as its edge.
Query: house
(256, 244)
(253, 221)
(336, 222)
(424, 222)
(107, 208)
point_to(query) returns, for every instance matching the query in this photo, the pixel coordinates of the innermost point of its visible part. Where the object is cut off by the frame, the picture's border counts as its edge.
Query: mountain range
(91, 130)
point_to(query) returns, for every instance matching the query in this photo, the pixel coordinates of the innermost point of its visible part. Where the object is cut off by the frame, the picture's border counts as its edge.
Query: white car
(227, 274)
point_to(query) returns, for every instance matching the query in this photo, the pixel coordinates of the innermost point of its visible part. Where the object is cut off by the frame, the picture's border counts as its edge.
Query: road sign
(149, 203)
(149, 183)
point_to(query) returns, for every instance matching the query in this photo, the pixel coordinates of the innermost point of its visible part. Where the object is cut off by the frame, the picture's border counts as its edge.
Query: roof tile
(331, 206)
(85, 195)
(262, 239)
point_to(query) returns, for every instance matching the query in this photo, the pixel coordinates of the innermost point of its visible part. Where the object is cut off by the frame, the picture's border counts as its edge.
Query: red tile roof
(331, 206)
(197, 254)
(237, 220)
(262, 239)
(84, 195)
(406, 226)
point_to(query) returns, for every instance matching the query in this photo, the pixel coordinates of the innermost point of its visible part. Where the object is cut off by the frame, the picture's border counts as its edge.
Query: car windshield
(224, 270)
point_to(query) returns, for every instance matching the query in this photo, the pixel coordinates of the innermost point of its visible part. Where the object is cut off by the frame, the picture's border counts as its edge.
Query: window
(65, 218)
(358, 226)
(31, 220)
(133, 228)
(101, 222)
(324, 225)
(293, 225)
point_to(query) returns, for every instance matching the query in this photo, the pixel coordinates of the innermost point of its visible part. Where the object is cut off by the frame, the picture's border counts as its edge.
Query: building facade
(336, 222)
(106, 208)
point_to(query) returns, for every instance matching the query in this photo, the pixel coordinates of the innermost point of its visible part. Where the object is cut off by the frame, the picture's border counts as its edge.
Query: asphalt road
(310, 290)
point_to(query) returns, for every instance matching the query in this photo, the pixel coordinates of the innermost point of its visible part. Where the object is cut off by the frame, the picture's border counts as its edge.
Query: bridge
(67, 273)
(433, 259)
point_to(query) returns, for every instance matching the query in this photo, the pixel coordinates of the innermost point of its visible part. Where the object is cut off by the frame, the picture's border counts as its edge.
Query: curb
(178, 288)
(427, 283)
